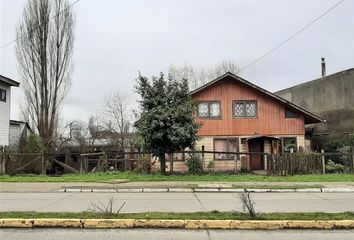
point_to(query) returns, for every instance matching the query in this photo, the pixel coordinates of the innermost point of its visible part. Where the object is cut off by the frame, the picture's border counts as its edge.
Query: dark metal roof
(309, 117)
(9, 81)
(262, 136)
(15, 122)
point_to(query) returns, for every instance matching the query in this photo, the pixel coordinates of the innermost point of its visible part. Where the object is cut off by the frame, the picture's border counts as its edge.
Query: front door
(256, 146)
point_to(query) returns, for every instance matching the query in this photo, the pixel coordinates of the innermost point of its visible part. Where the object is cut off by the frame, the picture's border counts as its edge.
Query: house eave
(9, 81)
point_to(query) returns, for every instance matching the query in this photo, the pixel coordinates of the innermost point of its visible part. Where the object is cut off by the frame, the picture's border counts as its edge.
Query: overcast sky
(116, 39)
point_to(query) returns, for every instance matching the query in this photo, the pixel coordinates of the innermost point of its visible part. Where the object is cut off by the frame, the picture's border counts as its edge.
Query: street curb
(181, 224)
(206, 190)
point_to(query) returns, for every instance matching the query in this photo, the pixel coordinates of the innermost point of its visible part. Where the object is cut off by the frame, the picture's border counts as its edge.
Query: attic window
(2, 95)
(289, 113)
(209, 109)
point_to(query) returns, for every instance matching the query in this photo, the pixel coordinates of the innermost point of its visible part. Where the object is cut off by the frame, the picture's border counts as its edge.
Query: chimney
(323, 66)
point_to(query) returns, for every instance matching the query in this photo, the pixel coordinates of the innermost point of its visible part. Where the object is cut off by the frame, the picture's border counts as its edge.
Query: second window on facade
(244, 109)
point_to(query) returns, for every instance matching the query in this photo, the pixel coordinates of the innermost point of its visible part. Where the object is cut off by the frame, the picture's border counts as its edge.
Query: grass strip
(256, 186)
(214, 215)
(133, 176)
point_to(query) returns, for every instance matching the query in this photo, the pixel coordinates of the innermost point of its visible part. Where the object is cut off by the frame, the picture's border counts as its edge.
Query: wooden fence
(58, 163)
(295, 163)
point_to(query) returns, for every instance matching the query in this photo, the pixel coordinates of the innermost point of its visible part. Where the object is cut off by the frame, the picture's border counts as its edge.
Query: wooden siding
(270, 118)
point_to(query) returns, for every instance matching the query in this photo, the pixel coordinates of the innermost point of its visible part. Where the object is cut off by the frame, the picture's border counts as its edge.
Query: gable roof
(309, 117)
(15, 122)
(9, 81)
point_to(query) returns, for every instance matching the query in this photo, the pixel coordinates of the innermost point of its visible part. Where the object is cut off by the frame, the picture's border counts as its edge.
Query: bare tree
(199, 76)
(248, 204)
(44, 50)
(95, 127)
(222, 68)
(118, 119)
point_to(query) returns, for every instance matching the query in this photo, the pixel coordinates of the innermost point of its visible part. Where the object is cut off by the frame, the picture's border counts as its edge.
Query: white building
(18, 130)
(5, 105)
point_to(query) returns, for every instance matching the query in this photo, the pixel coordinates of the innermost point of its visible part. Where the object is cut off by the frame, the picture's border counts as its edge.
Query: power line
(291, 37)
(9, 43)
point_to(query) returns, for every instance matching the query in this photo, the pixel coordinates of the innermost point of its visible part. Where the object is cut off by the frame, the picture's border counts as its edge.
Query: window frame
(244, 108)
(209, 104)
(1, 92)
(228, 140)
(293, 114)
(283, 145)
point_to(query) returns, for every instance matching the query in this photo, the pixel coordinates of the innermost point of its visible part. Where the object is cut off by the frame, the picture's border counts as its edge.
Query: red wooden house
(238, 116)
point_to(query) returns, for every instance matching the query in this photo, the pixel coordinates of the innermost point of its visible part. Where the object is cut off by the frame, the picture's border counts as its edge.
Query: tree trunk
(162, 164)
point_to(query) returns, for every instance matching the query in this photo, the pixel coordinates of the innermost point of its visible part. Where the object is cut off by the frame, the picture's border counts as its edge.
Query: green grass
(132, 176)
(270, 186)
(215, 215)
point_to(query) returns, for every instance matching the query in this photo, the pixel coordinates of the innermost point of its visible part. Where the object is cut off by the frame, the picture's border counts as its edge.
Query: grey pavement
(178, 202)
(172, 234)
(125, 184)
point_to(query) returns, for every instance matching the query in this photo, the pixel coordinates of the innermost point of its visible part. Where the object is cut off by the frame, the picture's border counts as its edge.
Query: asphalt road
(171, 234)
(178, 202)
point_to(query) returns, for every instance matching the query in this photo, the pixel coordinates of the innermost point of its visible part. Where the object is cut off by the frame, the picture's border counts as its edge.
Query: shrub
(248, 204)
(211, 166)
(34, 144)
(194, 163)
(144, 164)
(106, 209)
(332, 167)
(342, 145)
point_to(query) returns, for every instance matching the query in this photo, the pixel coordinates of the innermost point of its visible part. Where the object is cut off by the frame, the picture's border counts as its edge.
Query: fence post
(289, 166)
(235, 158)
(323, 162)
(43, 163)
(81, 164)
(98, 165)
(67, 157)
(203, 156)
(352, 154)
(171, 163)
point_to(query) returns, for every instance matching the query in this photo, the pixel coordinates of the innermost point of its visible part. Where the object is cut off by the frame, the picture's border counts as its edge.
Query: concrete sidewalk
(164, 186)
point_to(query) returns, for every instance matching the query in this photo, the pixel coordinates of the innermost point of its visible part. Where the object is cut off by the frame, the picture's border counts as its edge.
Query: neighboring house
(238, 116)
(18, 130)
(330, 97)
(5, 104)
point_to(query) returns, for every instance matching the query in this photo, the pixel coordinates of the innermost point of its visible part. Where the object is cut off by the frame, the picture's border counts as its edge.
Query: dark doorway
(256, 146)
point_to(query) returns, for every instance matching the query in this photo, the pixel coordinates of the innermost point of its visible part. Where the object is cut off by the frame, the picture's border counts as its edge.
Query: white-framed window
(244, 108)
(209, 109)
(2, 95)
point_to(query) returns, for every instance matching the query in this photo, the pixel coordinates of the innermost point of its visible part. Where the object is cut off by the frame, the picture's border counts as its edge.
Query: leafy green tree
(34, 144)
(166, 122)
